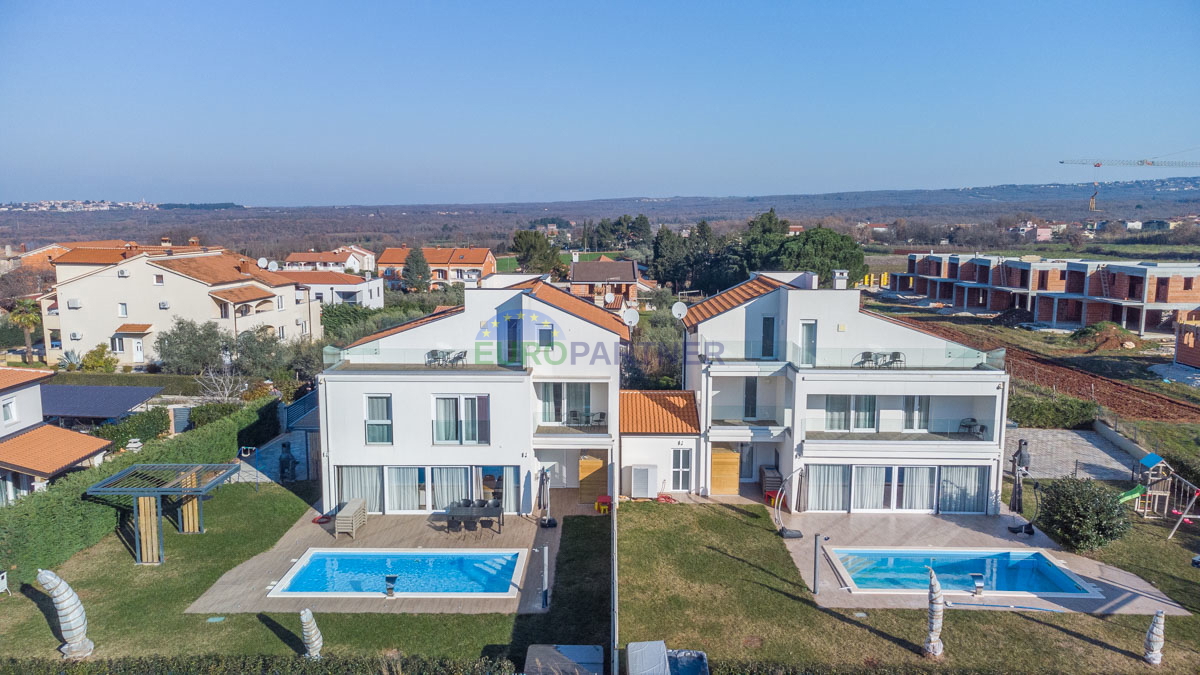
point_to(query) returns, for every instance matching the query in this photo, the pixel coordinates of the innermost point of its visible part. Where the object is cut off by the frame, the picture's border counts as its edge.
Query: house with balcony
(611, 284)
(802, 392)
(341, 259)
(339, 288)
(446, 265)
(474, 401)
(124, 297)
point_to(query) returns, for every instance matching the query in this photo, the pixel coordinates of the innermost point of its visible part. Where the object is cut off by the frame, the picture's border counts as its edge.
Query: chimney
(23, 249)
(840, 277)
(8, 253)
(166, 241)
(574, 256)
(193, 241)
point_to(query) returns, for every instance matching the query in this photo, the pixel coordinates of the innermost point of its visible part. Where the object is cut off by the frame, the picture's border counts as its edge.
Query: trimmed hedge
(46, 528)
(207, 413)
(207, 664)
(173, 385)
(771, 668)
(147, 426)
(1051, 412)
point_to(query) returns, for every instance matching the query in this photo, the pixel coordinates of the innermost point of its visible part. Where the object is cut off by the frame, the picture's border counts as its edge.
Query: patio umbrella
(937, 609)
(312, 635)
(72, 620)
(1155, 639)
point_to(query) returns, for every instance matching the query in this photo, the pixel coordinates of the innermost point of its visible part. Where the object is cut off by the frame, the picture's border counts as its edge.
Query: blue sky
(293, 103)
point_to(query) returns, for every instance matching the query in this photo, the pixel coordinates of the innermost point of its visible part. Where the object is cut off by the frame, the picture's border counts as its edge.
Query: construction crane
(1158, 163)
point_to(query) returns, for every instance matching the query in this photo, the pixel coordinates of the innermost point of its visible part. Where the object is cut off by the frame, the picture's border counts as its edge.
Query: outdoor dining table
(475, 514)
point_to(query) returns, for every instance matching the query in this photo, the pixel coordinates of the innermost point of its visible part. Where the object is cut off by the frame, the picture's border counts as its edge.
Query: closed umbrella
(1155, 639)
(311, 634)
(1016, 503)
(72, 620)
(937, 610)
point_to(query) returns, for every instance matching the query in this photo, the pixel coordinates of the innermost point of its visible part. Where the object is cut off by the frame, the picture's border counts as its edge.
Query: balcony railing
(950, 357)
(955, 429)
(743, 416)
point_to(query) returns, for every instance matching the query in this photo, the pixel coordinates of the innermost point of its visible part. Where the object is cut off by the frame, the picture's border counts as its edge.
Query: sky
(313, 103)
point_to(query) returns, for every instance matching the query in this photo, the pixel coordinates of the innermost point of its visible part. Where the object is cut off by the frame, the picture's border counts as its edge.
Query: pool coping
(514, 583)
(846, 580)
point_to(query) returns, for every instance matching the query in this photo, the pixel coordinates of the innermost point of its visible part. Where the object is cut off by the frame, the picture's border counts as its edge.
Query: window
(1062, 275)
(320, 297)
(768, 338)
(750, 399)
(864, 413)
(458, 274)
(362, 482)
(9, 408)
(916, 413)
(552, 401)
(837, 413)
(159, 280)
(122, 309)
(808, 343)
(849, 413)
(304, 328)
(681, 469)
(546, 337)
(281, 332)
(513, 339)
(224, 310)
(464, 420)
(379, 419)
(117, 344)
(964, 489)
(1188, 282)
(279, 302)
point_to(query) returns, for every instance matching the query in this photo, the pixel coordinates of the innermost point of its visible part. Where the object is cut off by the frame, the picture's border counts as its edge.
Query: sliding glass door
(894, 488)
(829, 487)
(964, 489)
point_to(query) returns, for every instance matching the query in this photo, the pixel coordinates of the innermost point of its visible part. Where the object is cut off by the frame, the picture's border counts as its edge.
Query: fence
(301, 407)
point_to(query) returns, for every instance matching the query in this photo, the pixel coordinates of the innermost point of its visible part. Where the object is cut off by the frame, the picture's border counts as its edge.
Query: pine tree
(416, 274)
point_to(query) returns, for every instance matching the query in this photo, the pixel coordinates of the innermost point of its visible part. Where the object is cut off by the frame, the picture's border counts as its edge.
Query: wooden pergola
(147, 484)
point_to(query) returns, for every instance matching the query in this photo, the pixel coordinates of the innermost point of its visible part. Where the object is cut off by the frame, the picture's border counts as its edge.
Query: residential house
(841, 409)
(446, 265)
(125, 297)
(342, 259)
(611, 284)
(660, 443)
(474, 401)
(32, 453)
(337, 288)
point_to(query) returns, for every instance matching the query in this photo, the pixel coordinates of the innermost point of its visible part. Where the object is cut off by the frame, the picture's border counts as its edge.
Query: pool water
(1018, 571)
(440, 572)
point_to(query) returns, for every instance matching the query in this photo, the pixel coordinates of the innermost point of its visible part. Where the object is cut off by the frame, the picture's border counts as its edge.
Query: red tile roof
(556, 297)
(659, 412)
(15, 377)
(319, 256)
(320, 277)
(436, 256)
(47, 450)
(133, 328)
(601, 271)
(242, 294)
(408, 325)
(220, 268)
(94, 256)
(733, 297)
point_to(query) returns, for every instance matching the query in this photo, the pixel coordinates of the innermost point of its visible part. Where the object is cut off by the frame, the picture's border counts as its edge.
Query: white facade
(876, 415)
(350, 291)
(409, 434)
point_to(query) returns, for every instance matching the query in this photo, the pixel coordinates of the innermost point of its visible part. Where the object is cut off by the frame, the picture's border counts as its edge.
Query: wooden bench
(350, 516)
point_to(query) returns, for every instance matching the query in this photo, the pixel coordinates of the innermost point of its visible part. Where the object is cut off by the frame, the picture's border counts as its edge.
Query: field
(508, 263)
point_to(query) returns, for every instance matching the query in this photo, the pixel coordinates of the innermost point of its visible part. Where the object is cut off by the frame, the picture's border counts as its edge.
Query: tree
(416, 274)
(535, 253)
(820, 251)
(1084, 513)
(260, 353)
(640, 229)
(27, 316)
(98, 360)
(765, 233)
(221, 383)
(670, 261)
(190, 348)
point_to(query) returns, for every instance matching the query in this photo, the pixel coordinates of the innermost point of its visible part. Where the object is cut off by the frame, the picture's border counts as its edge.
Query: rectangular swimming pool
(1028, 572)
(420, 573)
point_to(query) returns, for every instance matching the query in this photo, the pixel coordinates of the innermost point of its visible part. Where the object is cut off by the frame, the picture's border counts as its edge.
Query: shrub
(1051, 412)
(146, 426)
(1083, 514)
(126, 369)
(173, 385)
(75, 521)
(98, 360)
(70, 360)
(203, 415)
(261, 664)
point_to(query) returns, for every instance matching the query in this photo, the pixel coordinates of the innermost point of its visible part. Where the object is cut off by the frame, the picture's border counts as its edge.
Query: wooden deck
(244, 588)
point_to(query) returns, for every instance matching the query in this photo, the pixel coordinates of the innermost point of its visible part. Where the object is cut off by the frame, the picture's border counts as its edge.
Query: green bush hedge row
(46, 528)
(207, 413)
(173, 385)
(146, 425)
(771, 668)
(1051, 412)
(209, 664)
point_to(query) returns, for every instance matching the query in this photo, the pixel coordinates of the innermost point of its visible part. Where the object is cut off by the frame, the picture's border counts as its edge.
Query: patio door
(911, 489)
(746, 466)
(139, 356)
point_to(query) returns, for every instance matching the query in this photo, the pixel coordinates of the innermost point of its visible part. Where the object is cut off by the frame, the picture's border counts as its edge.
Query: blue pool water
(416, 572)
(1028, 571)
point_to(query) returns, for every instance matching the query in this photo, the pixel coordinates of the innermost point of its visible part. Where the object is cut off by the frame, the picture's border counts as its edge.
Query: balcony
(951, 430)
(950, 357)
(743, 416)
(571, 408)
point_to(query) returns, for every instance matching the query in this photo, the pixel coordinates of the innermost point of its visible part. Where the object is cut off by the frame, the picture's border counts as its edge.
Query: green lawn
(138, 610)
(508, 263)
(718, 578)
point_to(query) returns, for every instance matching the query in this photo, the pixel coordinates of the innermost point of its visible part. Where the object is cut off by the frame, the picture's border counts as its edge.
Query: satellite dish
(262, 262)
(608, 297)
(631, 317)
(273, 266)
(679, 310)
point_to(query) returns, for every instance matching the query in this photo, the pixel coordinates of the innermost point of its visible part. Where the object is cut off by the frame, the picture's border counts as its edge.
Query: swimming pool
(1019, 572)
(420, 573)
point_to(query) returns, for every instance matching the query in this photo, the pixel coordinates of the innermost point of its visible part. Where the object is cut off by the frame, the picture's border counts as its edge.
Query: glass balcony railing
(742, 416)
(950, 429)
(950, 357)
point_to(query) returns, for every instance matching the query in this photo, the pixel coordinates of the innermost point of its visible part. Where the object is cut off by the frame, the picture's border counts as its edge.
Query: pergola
(148, 484)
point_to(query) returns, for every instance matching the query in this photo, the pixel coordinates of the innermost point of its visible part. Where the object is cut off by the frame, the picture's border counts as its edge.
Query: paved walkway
(1055, 453)
(267, 462)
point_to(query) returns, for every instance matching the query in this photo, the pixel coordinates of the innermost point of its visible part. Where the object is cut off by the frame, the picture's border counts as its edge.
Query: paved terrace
(1055, 453)
(1124, 593)
(244, 588)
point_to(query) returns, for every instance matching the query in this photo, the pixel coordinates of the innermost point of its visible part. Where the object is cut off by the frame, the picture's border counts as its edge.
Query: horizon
(435, 104)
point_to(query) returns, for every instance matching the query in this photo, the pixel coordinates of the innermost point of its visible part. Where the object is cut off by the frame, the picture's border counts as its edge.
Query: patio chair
(493, 503)
(599, 419)
(459, 359)
(574, 418)
(466, 503)
(864, 360)
(896, 360)
(968, 425)
(433, 357)
(480, 503)
(453, 525)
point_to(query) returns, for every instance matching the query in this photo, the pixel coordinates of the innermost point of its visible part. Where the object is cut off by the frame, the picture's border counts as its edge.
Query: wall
(657, 450)
(1187, 344)
(29, 409)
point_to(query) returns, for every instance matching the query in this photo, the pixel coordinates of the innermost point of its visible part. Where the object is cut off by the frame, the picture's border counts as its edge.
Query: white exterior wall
(657, 451)
(370, 292)
(28, 400)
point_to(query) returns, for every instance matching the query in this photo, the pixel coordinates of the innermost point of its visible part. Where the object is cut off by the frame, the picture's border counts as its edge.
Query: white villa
(339, 288)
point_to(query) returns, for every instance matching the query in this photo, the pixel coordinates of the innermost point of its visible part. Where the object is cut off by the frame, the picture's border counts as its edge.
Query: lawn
(718, 578)
(138, 610)
(508, 263)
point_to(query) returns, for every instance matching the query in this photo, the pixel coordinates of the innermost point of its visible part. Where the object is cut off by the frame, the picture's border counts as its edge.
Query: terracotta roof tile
(600, 271)
(133, 328)
(408, 325)
(556, 297)
(732, 297)
(94, 256)
(319, 256)
(15, 377)
(436, 256)
(221, 267)
(659, 412)
(47, 450)
(320, 277)
(241, 294)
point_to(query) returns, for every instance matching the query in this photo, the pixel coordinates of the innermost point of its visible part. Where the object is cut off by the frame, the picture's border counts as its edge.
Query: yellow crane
(1154, 162)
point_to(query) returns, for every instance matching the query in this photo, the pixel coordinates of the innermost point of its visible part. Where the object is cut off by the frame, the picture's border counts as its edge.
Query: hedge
(1051, 412)
(207, 413)
(146, 426)
(173, 385)
(44, 529)
(206, 664)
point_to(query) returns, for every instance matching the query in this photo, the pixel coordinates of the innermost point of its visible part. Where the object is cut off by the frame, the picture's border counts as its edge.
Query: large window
(379, 419)
(964, 489)
(837, 413)
(768, 337)
(117, 345)
(808, 343)
(864, 413)
(828, 487)
(362, 482)
(9, 410)
(916, 413)
(512, 347)
(462, 419)
(850, 413)
(681, 469)
(566, 402)
(750, 399)
(434, 488)
(407, 489)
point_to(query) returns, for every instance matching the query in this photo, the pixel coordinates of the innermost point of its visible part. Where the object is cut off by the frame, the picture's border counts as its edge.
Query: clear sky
(293, 103)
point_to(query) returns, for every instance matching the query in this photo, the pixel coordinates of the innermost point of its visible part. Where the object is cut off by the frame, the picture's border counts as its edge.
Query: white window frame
(874, 428)
(681, 478)
(8, 409)
(917, 411)
(460, 421)
(123, 310)
(895, 488)
(279, 305)
(160, 279)
(800, 338)
(390, 422)
(543, 332)
(281, 332)
(116, 344)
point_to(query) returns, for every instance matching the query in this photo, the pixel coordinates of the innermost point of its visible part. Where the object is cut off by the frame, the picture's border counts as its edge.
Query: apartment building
(472, 402)
(842, 409)
(446, 265)
(339, 288)
(351, 258)
(1143, 296)
(32, 453)
(123, 297)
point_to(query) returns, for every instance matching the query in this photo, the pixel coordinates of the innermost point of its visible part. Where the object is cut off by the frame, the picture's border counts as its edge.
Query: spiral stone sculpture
(1155, 639)
(312, 635)
(937, 609)
(72, 620)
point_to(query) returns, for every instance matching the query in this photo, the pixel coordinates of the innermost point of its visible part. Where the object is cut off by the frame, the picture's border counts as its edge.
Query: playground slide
(1132, 494)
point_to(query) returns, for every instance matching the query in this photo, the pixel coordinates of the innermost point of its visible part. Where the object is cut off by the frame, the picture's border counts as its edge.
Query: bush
(98, 360)
(146, 425)
(46, 528)
(1083, 514)
(206, 664)
(1051, 412)
(173, 385)
(203, 415)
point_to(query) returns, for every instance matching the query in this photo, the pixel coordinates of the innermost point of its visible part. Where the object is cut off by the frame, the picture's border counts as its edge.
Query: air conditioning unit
(164, 305)
(76, 336)
(299, 321)
(644, 481)
(73, 303)
(124, 274)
